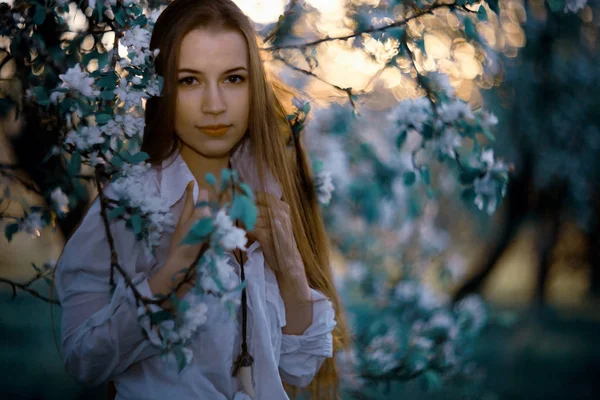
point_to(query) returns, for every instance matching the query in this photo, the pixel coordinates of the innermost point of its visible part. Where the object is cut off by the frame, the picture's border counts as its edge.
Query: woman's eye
(187, 81)
(235, 79)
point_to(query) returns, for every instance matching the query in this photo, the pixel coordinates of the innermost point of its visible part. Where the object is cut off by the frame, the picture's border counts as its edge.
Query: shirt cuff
(317, 339)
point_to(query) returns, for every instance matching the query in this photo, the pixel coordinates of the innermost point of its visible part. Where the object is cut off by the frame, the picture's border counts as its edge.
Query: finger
(202, 211)
(188, 205)
(266, 199)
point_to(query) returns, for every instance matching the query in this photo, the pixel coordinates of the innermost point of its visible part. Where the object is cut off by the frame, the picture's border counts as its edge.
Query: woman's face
(213, 92)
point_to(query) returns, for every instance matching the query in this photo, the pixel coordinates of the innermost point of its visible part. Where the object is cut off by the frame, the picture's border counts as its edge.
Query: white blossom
(442, 83)
(133, 187)
(112, 128)
(411, 114)
(230, 237)
(95, 159)
(447, 143)
(33, 224)
(444, 320)
(382, 350)
(473, 308)
(136, 37)
(126, 93)
(455, 265)
(488, 120)
(382, 51)
(189, 355)
(324, 186)
(574, 5)
(78, 80)
(406, 291)
(429, 299)
(450, 112)
(85, 137)
(356, 270)
(152, 87)
(194, 316)
(216, 274)
(60, 200)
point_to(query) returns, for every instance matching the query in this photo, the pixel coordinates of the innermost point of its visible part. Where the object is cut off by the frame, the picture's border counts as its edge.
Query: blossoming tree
(87, 68)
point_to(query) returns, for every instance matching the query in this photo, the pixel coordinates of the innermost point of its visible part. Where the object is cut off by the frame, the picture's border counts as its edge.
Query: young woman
(218, 110)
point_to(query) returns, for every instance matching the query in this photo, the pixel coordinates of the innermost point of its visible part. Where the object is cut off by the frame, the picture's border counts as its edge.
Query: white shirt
(102, 339)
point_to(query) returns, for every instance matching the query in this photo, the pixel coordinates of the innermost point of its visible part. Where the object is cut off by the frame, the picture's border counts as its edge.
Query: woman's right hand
(185, 254)
(181, 256)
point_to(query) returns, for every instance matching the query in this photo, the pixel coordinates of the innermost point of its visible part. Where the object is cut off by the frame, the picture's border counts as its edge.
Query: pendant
(245, 376)
(242, 369)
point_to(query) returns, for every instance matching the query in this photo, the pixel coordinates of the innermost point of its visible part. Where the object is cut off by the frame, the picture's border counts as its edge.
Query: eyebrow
(193, 71)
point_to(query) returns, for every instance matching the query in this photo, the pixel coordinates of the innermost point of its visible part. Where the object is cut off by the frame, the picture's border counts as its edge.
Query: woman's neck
(200, 165)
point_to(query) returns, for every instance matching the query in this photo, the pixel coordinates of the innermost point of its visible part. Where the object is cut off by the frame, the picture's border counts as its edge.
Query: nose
(213, 102)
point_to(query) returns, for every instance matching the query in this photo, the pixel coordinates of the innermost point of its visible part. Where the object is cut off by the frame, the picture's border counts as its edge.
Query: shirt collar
(176, 174)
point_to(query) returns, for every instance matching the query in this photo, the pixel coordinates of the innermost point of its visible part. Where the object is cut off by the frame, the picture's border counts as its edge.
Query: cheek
(241, 98)
(183, 108)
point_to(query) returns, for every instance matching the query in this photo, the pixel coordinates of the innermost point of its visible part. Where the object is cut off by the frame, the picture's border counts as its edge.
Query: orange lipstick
(215, 130)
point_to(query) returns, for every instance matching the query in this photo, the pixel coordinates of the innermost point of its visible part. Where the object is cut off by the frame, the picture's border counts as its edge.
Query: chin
(213, 149)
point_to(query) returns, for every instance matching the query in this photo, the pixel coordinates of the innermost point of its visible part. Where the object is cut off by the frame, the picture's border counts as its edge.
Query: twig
(4, 171)
(347, 90)
(25, 288)
(394, 24)
(286, 13)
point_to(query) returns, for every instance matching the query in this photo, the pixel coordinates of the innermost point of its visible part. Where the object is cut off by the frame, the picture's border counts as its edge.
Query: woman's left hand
(291, 277)
(283, 247)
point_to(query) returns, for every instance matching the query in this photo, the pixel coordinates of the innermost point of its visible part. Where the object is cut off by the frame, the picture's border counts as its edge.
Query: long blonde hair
(269, 133)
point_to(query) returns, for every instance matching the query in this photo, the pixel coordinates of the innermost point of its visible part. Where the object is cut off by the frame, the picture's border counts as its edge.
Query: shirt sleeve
(101, 336)
(303, 355)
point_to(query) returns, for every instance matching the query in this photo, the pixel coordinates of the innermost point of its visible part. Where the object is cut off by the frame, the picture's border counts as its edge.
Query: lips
(215, 130)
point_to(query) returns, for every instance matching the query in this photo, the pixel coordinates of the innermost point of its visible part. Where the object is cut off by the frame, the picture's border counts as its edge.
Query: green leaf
(482, 13)
(75, 164)
(181, 362)
(400, 139)
(488, 134)
(100, 8)
(107, 95)
(470, 30)
(136, 223)
(431, 380)
(556, 5)
(425, 175)
(66, 104)
(427, 131)
(120, 17)
(160, 316)
(396, 33)
(108, 81)
(247, 190)
(494, 6)
(40, 15)
(116, 212)
(210, 179)
(199, 231)
(225, 177)
(103, 118)
(117, 161)
(409, 178)
(104, 59)
(244, 209)
(41, 96)
(138, 157)
(468, 195)
(10, 230)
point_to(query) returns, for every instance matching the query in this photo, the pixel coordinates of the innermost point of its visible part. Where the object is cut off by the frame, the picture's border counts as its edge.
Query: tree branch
(25, 288)
(395, 24)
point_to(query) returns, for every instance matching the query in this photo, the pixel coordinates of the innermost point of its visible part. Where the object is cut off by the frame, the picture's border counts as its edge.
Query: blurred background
(535, 260)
